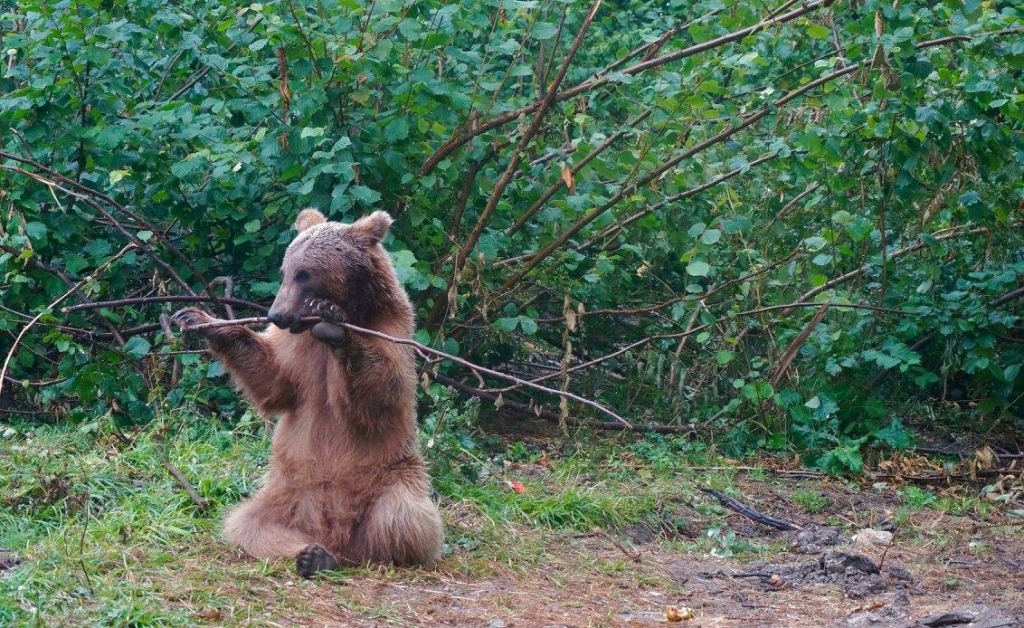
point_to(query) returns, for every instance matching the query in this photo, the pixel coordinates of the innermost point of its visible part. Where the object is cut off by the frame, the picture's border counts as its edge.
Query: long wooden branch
(745, 122)
(552, 190)
(491, 394)
(613, 229)
(423, 349)
(66, 185)
(176, 298)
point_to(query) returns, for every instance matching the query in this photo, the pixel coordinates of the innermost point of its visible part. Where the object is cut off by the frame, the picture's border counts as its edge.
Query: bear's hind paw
(314, 558)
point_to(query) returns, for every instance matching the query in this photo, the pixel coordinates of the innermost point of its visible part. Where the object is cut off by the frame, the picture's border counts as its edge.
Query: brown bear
(346, 483)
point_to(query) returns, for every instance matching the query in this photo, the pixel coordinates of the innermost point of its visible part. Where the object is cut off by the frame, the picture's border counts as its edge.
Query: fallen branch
(750, 513)
(631, 555)
(201, 502)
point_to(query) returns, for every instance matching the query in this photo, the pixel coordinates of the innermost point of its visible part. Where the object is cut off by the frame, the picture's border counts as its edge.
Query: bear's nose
(282, 320)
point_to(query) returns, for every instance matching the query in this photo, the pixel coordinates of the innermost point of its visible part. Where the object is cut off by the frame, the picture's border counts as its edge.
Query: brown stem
(43, 266)
(555, 417)
(628, 190)
(618, 226)
(1009, 296)
(790, 354)
(857, 272)
(163, 299)
(89, 195)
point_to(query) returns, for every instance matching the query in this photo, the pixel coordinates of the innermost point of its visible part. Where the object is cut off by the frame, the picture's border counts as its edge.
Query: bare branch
(92, 305)
(423, 349)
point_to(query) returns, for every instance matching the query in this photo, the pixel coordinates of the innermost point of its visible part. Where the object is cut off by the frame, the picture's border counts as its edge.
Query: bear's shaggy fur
(346, 482)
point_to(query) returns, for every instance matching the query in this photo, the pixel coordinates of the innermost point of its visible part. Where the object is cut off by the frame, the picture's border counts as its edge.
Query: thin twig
(201, 502)
(517, 152)
(603, 78)
(632, 555)
(491, 394)
(801, 338)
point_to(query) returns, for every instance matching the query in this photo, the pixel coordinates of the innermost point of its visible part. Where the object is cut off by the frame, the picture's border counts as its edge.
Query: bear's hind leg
(402, 528)
(246, 527)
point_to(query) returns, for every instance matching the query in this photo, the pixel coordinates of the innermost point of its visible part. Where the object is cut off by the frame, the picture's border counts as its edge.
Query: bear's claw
(189, 317)
(314, 558)
(328, 311)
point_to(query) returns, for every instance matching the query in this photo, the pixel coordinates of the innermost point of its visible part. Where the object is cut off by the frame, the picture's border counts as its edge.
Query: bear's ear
(375, 226)
(307, 218)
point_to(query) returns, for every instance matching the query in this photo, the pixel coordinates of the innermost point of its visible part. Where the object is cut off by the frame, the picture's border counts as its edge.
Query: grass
(108, 537)
(811, 501)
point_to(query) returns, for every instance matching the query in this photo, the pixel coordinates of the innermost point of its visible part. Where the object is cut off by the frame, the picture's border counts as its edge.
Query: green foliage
(689, 199)
(448, 436)
(917, 498)
(809, 500)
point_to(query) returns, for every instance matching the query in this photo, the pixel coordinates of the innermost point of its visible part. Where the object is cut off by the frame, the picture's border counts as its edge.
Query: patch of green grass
(811, 501)
(558, 503)
(917, 498)
(106, 535)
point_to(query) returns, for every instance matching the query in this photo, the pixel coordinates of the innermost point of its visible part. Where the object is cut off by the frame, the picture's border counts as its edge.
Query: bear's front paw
(329, 330)
(314, 558)
(329, 311)
(190, 317)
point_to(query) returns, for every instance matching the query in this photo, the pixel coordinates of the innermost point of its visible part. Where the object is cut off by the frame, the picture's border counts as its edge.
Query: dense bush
(804, 224)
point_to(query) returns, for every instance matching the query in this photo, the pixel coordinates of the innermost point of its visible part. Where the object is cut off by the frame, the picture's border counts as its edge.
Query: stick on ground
(750, 513)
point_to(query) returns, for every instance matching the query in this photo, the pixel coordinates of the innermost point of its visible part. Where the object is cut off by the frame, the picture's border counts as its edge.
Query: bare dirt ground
(939, 570)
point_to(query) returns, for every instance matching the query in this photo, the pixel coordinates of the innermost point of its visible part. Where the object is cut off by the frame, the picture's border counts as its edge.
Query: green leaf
(817, 31)
(698, 268)
(137, 347)
(711, 236)
(528, 325)
(544, 30)
(507, 324)
(35, 230)
(397, 130)
(895, 435)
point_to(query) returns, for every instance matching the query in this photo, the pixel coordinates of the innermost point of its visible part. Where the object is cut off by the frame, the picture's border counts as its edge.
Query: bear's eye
(302, 276)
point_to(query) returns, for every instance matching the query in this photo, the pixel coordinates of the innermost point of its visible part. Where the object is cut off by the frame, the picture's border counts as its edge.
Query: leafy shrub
(704, 179)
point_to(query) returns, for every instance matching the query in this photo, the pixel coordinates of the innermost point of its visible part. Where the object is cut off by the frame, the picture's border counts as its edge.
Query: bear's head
(341, 263)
